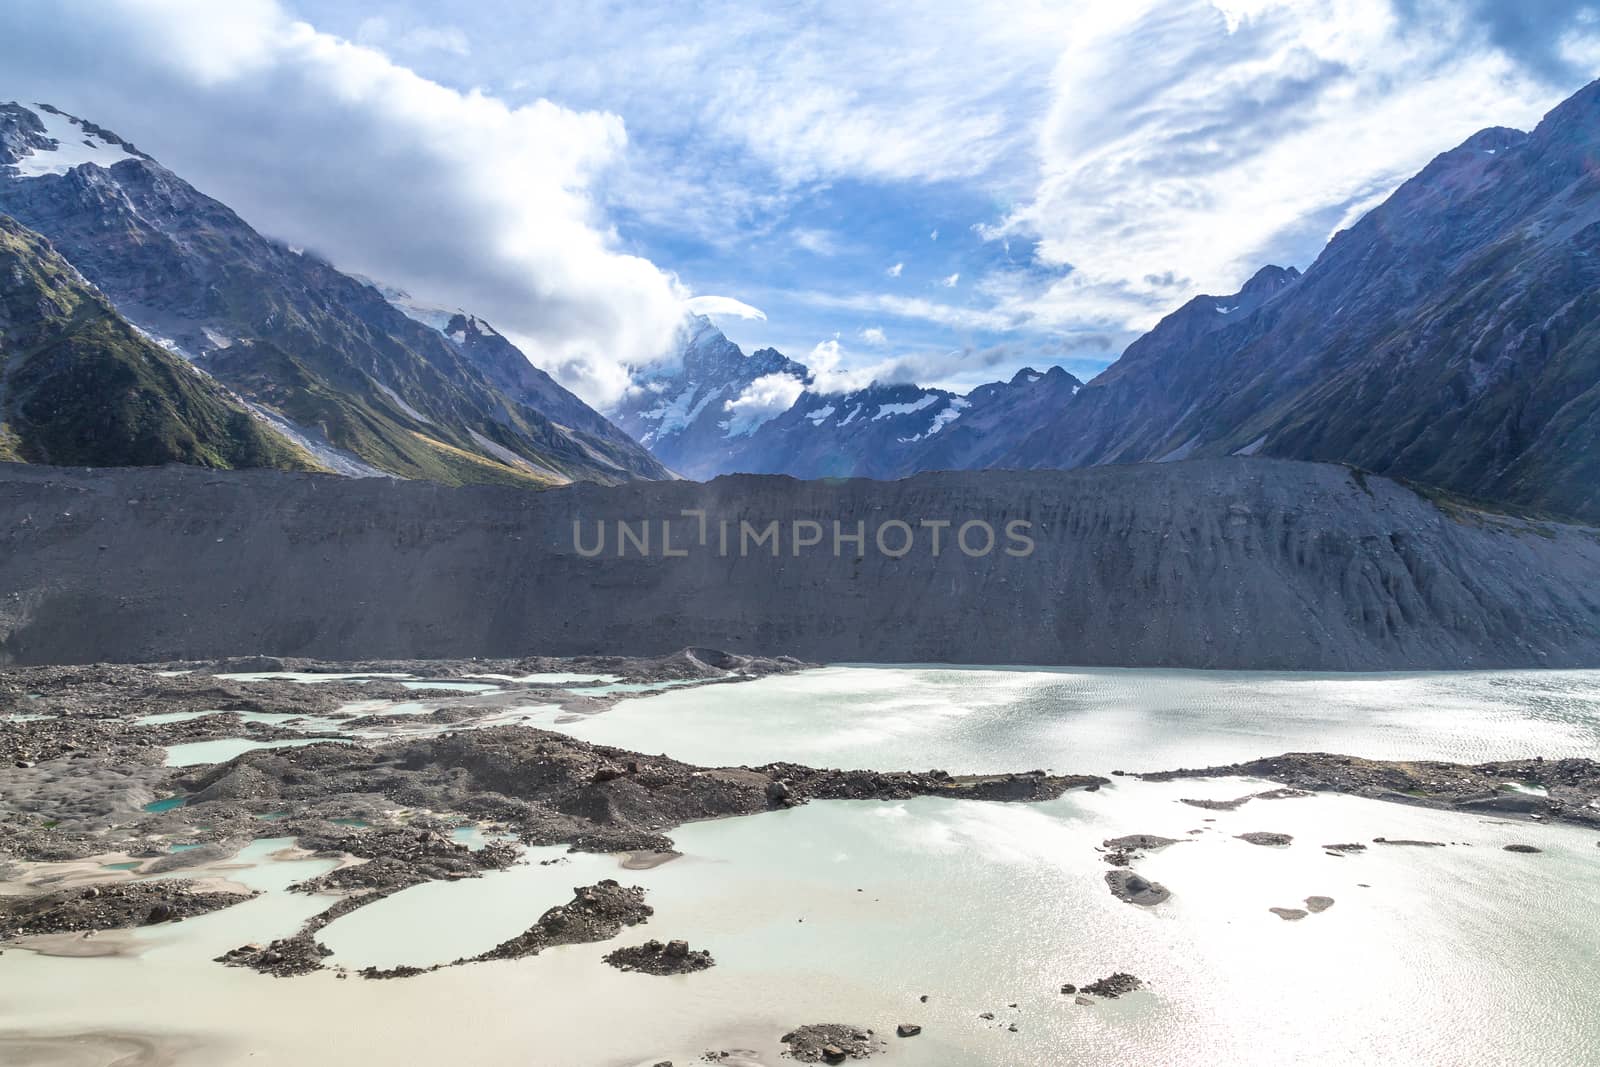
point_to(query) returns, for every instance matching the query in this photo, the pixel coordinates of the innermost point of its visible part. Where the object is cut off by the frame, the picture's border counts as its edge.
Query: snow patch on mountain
(679, 412)
(435, 318)
(942, 418)
(916, 405)
(74, 146)
(949, 414)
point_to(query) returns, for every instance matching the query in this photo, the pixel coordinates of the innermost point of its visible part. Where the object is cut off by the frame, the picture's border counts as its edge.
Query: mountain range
(1450, 337)
(323, 361)
(688, 412)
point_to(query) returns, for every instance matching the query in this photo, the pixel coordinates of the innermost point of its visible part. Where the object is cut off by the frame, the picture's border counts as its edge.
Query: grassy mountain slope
(80, 386)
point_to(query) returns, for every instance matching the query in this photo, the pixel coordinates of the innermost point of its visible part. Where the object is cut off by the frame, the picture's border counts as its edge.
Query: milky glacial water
(981, 720)
(850, 911)
(223, 749)
(631, 687)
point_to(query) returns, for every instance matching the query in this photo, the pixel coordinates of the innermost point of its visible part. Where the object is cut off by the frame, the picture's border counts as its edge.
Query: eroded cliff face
(1217, 563)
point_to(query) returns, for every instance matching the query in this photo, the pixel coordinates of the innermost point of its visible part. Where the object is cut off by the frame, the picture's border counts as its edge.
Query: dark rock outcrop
(653, 957)
(1567, 790)
(830, 1043)
(1134, 888)
(111, 907)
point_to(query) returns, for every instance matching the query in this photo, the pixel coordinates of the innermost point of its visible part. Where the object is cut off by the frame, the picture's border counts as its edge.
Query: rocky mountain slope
(1451, 336)
(1231, 563)
(80, 386)
(356, 381)
(687, 412)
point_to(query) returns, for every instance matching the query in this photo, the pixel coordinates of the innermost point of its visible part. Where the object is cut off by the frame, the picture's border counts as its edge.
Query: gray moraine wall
(1240, 563)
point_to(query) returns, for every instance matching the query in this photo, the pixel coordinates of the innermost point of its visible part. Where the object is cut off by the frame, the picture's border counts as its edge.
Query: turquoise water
(130, 865)
(166, 804)
(474, 837)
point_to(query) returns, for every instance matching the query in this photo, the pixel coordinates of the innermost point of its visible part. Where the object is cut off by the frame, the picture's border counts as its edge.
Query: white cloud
(836, 370)
(458, 197)
(1182, 140)
(894, 271)
(716, 306)
(874, 335)
(817, 242)
(762, 400)
(829, 375)
(951, 281)
(916, 308)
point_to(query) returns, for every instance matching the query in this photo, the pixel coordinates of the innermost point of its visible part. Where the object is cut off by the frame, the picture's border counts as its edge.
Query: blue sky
(938, 192)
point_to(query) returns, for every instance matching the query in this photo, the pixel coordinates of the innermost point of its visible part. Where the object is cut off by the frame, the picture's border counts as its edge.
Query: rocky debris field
(1564, 790)
(112, 907)
(595, 913)
(89, 781)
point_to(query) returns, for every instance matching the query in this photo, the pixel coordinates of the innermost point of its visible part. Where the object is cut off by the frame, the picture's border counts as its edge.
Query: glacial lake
(852, 911)
(1093, 721)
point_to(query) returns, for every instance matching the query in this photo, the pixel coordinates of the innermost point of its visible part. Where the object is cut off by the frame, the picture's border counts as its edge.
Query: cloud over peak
(455, 196)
